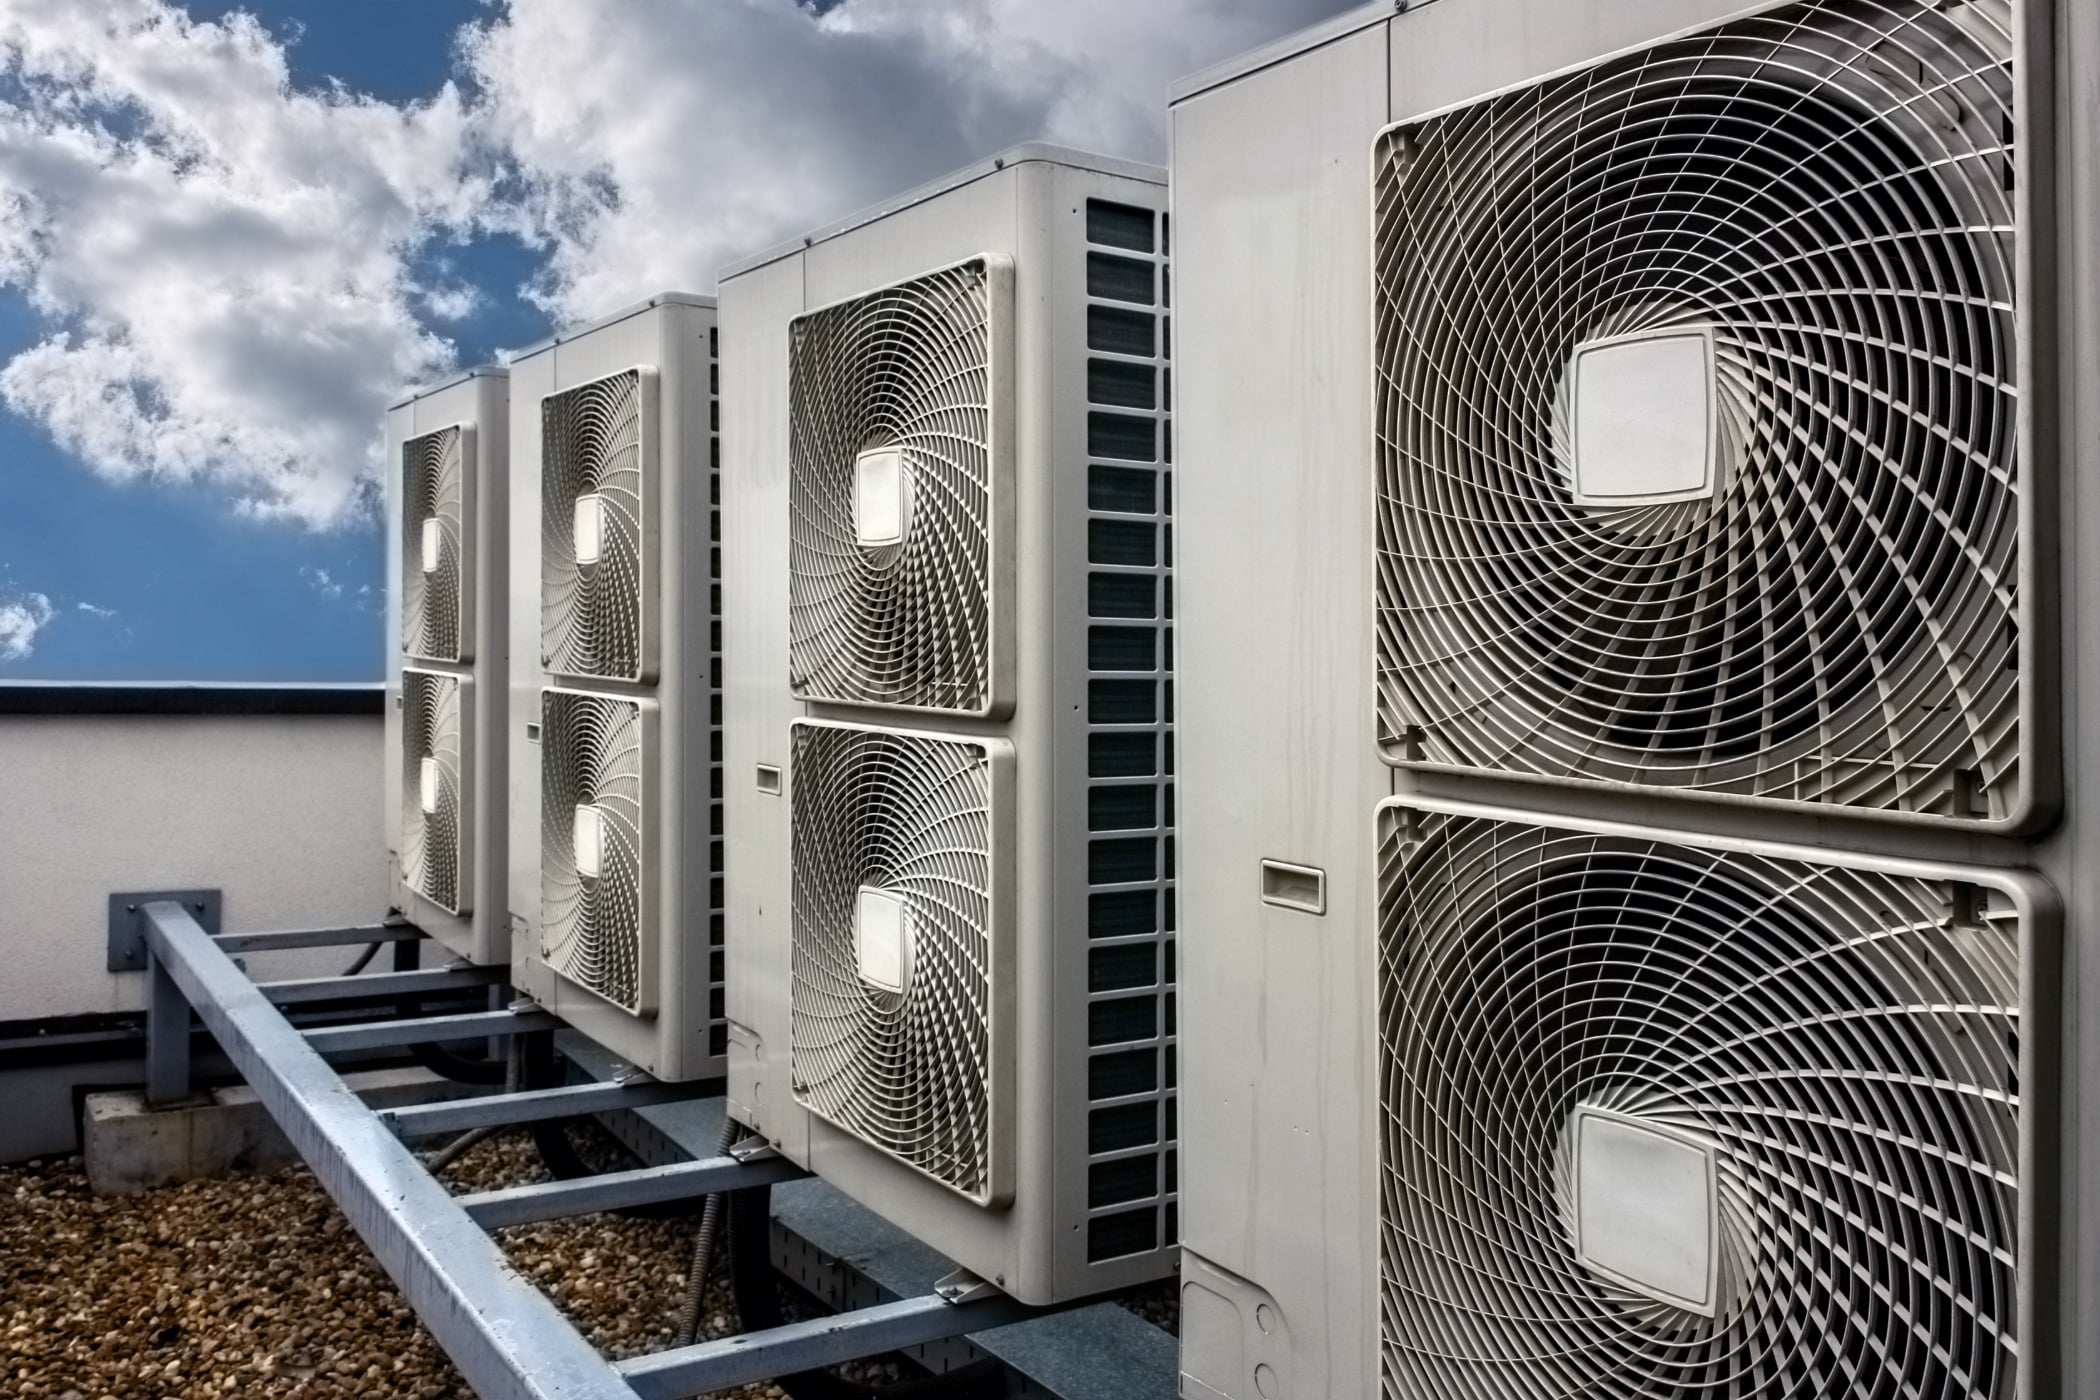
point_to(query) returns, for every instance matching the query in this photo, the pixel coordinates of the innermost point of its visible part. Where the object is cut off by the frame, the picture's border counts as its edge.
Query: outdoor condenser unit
(616, 819)
(446, 483)
(951, 735)
(1626, 816)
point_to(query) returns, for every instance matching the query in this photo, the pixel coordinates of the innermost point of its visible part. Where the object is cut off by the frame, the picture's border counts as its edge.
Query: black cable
(551, 1136)
(756, 1287)
(364, 959)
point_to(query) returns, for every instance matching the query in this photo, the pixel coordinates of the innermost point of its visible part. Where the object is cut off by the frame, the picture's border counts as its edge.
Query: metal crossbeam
(821, 1341)
(532, 1106)
(298, 991)
(645, 1186)
(316, 938)
(429, 1030)
(508, 1340)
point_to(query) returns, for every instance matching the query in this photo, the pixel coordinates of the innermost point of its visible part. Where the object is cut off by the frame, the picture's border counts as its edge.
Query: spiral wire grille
(592, 614)
(1827, 191)
(910, 1072)
(594, 751)
(1848, 1043)
(433, 487)
(432, 863)
(908, 368)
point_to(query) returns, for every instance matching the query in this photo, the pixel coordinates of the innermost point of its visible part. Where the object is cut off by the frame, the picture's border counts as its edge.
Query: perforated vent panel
(436, 545)
(598, 530)
(1131, 1189)
(437, 787)
(892, 431)
(1815, 596)
(896, 830)
(1660, 1120)
(597, 891)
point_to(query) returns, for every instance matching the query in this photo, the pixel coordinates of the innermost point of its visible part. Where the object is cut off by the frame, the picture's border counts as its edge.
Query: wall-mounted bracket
(127, 924)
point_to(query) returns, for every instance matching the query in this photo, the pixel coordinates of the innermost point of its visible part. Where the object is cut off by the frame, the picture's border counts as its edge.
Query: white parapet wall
(279, 811)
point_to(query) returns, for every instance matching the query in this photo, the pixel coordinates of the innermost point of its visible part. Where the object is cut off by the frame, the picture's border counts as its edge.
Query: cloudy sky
(231, 232)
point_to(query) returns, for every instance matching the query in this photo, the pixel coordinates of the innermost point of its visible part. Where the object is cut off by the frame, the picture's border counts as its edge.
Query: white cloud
(99, 614)
(321, 582)
(21, 618)
(656, 142)
(224, 261)
(232, 272)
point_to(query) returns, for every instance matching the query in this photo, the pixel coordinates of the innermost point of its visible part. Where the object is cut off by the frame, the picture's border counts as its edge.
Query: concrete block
(131, 1148)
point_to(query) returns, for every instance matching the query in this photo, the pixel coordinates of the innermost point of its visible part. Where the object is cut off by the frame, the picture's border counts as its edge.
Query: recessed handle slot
(1300, 887)
(769, 779)
(532, 732)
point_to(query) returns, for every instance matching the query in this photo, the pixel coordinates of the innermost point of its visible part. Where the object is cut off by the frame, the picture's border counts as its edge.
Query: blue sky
(230, 232)
(193, 590)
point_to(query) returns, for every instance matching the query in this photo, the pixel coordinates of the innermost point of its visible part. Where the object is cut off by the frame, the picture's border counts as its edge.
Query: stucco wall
(281, 812)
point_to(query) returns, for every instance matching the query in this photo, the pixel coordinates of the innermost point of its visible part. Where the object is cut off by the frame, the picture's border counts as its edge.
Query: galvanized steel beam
(301, 990)
(429, 1030)
(821, 1341)
(316, 938)
(507, 1339)
(645, 1186)
(532, 1106)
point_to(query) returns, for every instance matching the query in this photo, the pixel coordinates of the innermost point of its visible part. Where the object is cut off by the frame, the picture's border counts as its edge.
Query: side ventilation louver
(597, 841)
(1698, 418)
(899, 1000)
(437, 755)
(598, 529)
(1659, 1119)
(437, 545)
(895, 492)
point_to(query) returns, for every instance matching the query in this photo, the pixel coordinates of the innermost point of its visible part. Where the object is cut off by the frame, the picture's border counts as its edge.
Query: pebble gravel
(256, 1286)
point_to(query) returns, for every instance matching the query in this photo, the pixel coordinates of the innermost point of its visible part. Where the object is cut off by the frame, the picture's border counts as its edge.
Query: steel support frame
(507, 1339)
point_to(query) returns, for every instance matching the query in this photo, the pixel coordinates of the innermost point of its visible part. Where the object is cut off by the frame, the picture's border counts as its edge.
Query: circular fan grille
(909, 1070)
(1825, 192)
(433, 485)
(906, 623)
(1844, 1045)
(432, 861)
(591, 613)
(593, 754)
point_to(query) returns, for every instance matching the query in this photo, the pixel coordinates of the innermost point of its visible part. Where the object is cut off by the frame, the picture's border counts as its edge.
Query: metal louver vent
(437, 754)
(899, 999)
(895, 407)
(1698, 418)
(598, 463)
(437, 545)
(1663, 1120)
(597, 837)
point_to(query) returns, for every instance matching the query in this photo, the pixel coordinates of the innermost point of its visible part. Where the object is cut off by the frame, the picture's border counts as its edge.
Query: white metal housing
(1304, 405)
(616, 857)
(950, 724)
(447, 812)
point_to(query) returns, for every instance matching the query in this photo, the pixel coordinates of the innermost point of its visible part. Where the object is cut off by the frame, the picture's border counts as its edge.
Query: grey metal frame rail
(506, 1338)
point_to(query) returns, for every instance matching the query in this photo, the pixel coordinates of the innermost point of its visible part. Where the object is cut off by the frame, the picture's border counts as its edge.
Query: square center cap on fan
(588, 523)
(433, 544)
(882, 938)
(587, 830)
(1647, 1209)
(878, 496)
(1645, 419)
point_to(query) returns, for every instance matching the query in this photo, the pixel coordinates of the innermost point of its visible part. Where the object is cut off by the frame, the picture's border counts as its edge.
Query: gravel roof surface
(256, 1286)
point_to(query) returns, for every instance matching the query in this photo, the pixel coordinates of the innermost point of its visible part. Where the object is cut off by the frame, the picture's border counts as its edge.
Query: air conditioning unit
(446, 771)
(616, 860)
(951, 743)
(1637, 469)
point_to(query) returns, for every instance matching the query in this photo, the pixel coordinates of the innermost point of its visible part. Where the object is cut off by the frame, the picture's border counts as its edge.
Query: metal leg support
(505, 1337)
(167, 1036)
